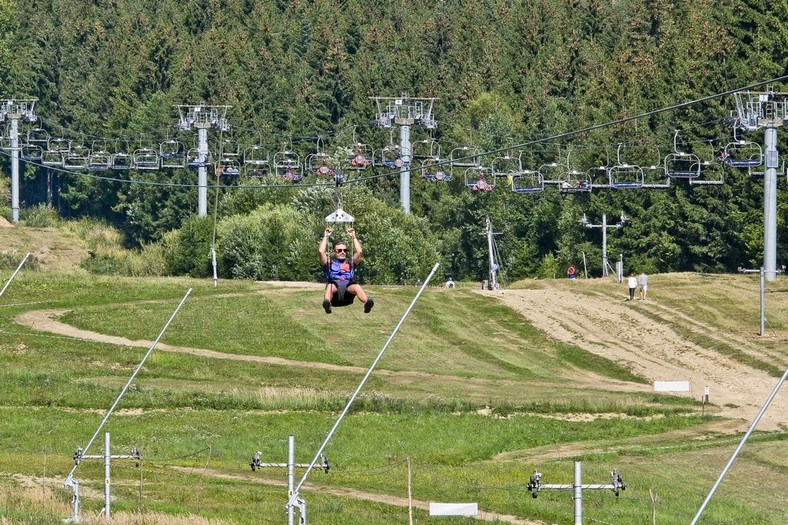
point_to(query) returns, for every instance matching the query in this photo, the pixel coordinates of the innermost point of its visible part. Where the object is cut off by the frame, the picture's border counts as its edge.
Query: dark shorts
(342, 297)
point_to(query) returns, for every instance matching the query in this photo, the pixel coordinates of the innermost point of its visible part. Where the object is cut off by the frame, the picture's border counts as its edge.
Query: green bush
(271, 243)
(548, 269)
(9, 260)
(188, 251)
(104, 264)
(41, 216)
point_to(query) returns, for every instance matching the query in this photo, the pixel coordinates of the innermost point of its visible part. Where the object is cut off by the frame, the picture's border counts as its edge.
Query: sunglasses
(340, 250)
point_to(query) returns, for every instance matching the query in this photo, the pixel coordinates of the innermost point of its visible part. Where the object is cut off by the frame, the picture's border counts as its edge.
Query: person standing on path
(632, 282)
(643, 282)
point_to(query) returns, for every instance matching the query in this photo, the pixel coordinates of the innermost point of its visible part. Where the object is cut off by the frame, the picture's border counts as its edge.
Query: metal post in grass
(295, 499)
(535, 485)
(291, 465)
(741, 445)
(14, 274)
(762, 295)
(107, 457)
(70, 481)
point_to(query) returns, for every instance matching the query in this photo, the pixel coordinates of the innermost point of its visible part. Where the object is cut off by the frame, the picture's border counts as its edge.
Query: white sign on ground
(453, 509)
(671, 386)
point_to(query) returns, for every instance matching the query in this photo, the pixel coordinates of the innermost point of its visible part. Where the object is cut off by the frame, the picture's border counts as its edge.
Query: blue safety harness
(341, 273)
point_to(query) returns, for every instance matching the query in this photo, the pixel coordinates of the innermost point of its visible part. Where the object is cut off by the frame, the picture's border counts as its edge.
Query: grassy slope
(430, 400)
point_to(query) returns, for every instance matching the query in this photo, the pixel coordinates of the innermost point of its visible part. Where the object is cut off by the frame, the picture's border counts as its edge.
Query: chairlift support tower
(604, 226)
(767, 110)
(404, 112)
(16, 110)
(202, 118)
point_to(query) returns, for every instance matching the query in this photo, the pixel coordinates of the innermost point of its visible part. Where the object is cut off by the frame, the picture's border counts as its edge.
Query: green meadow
(469, 394)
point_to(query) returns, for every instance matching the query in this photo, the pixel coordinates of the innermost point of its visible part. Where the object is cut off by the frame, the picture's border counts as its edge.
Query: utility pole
(16, 110)
(202, 118)
(604, 226)
(79, 456)
(767, 110)
(404, 111)
(493, 282)
(535, 485)
(291, 465)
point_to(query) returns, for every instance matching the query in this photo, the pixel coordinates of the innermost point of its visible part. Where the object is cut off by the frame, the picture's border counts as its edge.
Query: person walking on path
(632, 282)
(643, 282)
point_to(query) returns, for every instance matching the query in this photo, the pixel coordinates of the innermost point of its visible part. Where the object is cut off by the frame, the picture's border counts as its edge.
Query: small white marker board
(671, 386)
(454, 509)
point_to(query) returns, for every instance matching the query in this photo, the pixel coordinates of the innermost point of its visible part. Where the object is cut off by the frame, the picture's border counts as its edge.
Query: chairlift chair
(31, 152)
(287, 165)
(322, 166)
(361, 158)
(624, 175)
(479, 178)
(38, 137)
(432, 169)
(77, 158)
(575, 182)
(527, 182)
(57, 149)
(553, 173)
(427, 148)
(681, 165)
(655, 176)
(505, 166)
(712, 172)
(100, 158)
(390, 157)
(121, 159)
(196, 159)
(172, 154)
(145, 159)
(228, 167)
(318, 163)
(742, 154)
(256, 161)
(464, 158)
(599, 177)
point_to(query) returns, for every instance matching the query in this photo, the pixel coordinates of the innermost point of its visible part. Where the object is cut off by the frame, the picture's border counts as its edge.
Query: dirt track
(618, 330)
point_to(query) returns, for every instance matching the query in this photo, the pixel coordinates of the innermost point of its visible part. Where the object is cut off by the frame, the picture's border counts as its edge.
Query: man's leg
(359, 292)
(331, 289)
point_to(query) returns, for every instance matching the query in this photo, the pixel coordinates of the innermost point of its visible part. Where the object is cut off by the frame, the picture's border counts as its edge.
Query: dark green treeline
(505, 73)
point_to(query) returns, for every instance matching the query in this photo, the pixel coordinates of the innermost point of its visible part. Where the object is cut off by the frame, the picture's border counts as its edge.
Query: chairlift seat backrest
(145, 159)
(682, 165)
(527, 181)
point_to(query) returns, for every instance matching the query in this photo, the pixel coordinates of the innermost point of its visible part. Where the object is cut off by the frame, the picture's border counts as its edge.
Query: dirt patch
(52, 248)
(622, 332)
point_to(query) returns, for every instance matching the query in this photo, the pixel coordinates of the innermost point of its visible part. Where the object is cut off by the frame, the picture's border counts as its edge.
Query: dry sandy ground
(620, 331)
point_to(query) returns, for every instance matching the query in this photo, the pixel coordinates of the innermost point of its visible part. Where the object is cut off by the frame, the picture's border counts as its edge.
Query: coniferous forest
(535, 90)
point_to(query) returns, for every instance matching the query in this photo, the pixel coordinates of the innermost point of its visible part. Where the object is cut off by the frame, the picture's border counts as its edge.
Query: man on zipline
(341, 289)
